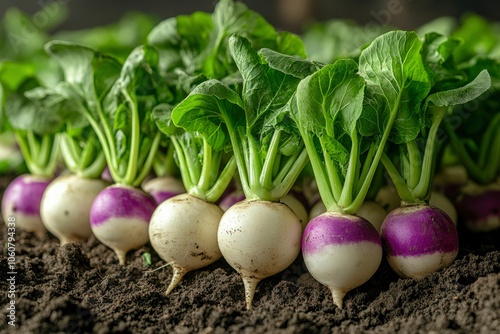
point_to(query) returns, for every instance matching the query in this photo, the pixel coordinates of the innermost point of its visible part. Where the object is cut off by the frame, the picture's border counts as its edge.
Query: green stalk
(360, 197)
(87, 155)
(225, 177)
(185, 173)
(285, 168)
(422, 189)
(25, 150)
(135, 141)
(486, 141)
(239, 155)
(46, 147)
(33, 145)
(94, 170)
(366, 165)
(332, 174)
(459, 148)
(415, 162)
(320, 174)
(402, 188)
(68, 153)
(107, 141)
(109, 152)
(255, 170)
(281, 189)
(346, 196)
(147, 165)
(266, 176)
(204, 180)
(491, 168)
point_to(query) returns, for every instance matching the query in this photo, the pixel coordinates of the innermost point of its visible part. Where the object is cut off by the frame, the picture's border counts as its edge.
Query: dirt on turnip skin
(81, 288)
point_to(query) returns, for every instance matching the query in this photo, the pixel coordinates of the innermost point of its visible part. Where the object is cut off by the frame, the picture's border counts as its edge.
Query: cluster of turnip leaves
(229, 93)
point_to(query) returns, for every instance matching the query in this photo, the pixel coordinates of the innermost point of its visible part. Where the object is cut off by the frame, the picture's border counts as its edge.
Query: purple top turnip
(21, 202)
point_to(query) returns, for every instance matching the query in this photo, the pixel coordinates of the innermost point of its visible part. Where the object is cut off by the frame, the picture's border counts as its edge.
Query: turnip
(183, 228)
(257, 233)
(479, 207)
(65, 206)
(34, 131)
(119, 218)
(341, 252)
(259, 239)
(21, 200)
(183, 231)
(419, 240)
(118, 108)
(387, 197)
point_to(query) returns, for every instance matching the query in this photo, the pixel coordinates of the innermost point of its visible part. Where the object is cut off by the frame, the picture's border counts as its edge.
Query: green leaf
(209, 110)
(291, 65)
(463, 94)
(332, 95)
(90, 72)
(265, 90)
(397, 82)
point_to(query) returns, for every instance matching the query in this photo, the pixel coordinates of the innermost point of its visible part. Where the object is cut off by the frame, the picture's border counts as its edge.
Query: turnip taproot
(65, 206)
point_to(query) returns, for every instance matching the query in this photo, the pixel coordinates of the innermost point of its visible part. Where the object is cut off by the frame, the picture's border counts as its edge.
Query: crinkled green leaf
(209, 109)
(397, 82)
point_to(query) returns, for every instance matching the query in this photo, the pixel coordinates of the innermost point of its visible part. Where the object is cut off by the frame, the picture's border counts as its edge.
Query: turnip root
(65, 206)
(341, 252)
(387, 197)
(479, 207)
(21, 201)
(419, 240)
(183, 231)
(259, 239)
(119, 218)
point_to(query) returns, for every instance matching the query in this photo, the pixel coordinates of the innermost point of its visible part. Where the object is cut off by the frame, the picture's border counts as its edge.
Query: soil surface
(81, 288)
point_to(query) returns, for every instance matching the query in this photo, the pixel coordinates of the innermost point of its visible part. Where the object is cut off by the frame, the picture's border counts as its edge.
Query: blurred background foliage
(293, 15)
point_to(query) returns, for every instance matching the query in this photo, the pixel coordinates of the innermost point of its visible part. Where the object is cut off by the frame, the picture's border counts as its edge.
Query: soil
(81, 288)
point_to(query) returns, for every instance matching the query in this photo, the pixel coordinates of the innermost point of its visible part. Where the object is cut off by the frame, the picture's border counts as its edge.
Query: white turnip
(259, 239)
(65, 206)
(183, 231)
